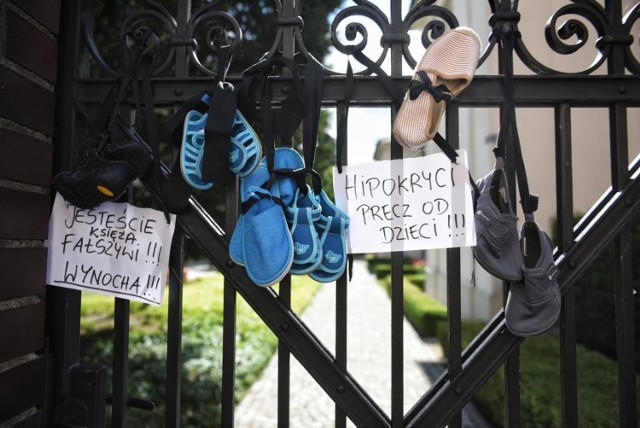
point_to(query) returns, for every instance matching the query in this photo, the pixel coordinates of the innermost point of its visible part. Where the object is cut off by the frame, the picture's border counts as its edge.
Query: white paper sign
(116, 249)
(410, 204)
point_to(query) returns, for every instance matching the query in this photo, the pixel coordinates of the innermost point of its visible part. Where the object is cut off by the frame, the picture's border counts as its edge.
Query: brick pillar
(28, 68)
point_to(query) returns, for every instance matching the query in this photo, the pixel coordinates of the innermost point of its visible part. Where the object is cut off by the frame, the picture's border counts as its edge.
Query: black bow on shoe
(439, 93)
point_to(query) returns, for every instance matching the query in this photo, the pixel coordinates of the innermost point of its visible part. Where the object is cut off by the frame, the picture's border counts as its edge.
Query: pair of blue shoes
(244, 155)
(261, 241)
(317, 226)
(286, 230)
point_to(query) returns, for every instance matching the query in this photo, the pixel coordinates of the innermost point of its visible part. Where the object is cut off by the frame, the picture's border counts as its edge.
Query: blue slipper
(286, 158)
(266, 240)
(246, 151)
(301, 217)
(331, 228)
(244, 155)
(192, 151)
(256, 179)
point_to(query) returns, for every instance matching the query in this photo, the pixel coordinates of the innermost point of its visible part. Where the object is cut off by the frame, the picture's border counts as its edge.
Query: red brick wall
(28, 69)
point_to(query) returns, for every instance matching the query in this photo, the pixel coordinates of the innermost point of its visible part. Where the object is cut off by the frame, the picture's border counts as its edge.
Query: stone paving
(368, 360)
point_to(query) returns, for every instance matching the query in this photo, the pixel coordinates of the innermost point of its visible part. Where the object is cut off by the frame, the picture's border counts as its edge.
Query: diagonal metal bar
(495, 343)
(343, 389)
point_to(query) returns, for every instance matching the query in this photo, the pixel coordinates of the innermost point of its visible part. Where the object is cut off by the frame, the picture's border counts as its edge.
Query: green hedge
(421, 310)
(201, 348)
(540, 383)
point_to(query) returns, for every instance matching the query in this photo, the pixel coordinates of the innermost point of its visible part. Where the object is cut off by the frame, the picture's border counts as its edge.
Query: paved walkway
(368, 360)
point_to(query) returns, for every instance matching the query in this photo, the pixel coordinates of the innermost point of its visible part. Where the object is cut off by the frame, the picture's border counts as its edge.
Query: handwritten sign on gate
(116, 249)
(410, 204)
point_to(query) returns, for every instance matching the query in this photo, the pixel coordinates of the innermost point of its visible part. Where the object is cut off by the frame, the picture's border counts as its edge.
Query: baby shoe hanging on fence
(446, 69)
(104, 171)
(332, 230)
(533, 303)
(497, 247)
(300, 208)
(261, 241)
(302, 215)
(107, 162)
(244, 153)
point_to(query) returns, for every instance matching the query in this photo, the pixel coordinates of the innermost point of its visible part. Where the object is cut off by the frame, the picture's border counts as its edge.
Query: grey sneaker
(533, 304)
(497, 247)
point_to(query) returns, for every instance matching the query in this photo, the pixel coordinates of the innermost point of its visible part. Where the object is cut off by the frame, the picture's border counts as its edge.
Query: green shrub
(201, 348)
(382, 268)
(540, 383)
(421, 310)
(416, 279)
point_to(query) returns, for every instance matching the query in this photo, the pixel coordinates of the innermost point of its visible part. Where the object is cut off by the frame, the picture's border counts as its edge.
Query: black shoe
(96, 181)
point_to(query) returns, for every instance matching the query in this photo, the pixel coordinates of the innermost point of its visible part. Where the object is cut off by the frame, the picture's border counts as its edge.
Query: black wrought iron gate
(617, 89)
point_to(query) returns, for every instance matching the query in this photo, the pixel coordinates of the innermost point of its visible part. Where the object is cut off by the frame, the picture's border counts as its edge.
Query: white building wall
(590, 137)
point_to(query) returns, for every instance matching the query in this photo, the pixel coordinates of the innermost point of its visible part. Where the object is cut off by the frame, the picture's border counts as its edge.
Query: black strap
(396, 93)
(341, 137)
(507, 38)
(217, 132)
(141, 56)
(150, 117)
(313, 86)
(287, 120)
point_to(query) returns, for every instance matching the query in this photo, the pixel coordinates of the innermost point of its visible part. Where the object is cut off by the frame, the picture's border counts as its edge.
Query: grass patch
(540, 383)
(201, 347)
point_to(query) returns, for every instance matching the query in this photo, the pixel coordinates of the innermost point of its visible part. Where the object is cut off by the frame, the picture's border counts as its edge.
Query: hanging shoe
(497, 247)
(266, 240)
(533, 304)
(105, 170)
(302, 215)
(244, 154)
(332, 230)
(257, 179)
(446, 69)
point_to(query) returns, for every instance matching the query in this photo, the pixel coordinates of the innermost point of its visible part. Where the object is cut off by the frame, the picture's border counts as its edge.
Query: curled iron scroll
(219, 29)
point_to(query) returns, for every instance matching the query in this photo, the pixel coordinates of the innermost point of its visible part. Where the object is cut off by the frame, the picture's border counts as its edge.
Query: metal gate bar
(564, 204)
(494, 344)
(623, 281)
(174, 332)
(341, 297)
(229, 319)
(338, 384)
(607, 221)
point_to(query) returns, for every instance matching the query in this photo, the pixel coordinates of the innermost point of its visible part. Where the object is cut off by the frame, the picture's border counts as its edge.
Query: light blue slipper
(301, 217)
(192, 151)
(331, 228)
(244, 155)
(246, 149)
(256, 179)
(266, 240)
